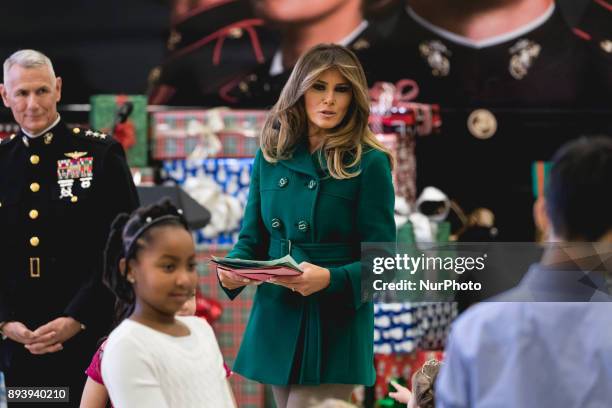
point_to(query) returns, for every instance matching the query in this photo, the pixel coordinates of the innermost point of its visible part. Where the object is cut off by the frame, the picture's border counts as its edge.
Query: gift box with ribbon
(219, 132)
(222, 187)
(396, 120)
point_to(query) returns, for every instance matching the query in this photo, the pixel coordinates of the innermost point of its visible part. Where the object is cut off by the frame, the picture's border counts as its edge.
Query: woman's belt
(328, 252)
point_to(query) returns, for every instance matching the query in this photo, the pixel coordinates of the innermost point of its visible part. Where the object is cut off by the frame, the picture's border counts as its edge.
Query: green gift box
(133, 135)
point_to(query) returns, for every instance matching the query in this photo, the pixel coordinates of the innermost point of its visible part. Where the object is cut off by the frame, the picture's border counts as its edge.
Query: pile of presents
(209, 153)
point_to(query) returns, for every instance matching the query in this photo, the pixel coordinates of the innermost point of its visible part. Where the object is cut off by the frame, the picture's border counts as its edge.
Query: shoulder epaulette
(93, 135)
(8, 140)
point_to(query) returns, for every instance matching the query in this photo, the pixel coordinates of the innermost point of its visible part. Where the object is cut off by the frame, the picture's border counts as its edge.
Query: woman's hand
(230, 280)
(311, 281)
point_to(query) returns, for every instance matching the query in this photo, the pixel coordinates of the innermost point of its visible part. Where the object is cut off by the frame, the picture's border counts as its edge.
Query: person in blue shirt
(547, 342)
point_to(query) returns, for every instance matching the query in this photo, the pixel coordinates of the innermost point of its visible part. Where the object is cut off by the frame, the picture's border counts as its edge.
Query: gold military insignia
(48, 138)
(482, 124)
(361, 44)
(75, 155)
(523, 54)
(437, 56)
(606, 45)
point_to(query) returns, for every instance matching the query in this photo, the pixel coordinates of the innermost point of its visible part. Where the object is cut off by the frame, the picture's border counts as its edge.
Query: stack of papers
(259, 270)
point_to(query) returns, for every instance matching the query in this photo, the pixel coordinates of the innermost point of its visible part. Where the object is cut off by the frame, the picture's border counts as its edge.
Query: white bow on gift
(385, 95)
(226, 211)
(208, 142)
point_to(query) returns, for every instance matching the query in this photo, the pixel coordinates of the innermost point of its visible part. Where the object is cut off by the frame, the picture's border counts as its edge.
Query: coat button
(303, 226)
(283, 182)
(74, 199)
(276, 223)
(312, 184)
(34, 159)
(33, 214)
(34, 241)
(35, 187)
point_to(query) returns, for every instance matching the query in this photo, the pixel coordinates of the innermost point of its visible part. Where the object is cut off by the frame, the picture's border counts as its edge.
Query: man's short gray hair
(28, 59)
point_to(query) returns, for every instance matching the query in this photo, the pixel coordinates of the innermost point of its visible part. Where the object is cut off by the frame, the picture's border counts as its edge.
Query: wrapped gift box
(230, 328)
(233, 177)
(404, 172)
(143, 176)
(239, 136)
(104, 113)
(410, 326)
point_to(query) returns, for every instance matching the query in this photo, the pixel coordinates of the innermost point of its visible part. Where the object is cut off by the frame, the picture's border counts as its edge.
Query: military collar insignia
(48, 138)
(75, 155)
(437, 55)
(523, 54)
(95, 135)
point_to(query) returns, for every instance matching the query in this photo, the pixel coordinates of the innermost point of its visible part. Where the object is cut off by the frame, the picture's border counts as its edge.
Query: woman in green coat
(321, 185)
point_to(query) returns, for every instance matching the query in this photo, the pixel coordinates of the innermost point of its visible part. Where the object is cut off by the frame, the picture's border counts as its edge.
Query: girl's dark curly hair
(128, 235)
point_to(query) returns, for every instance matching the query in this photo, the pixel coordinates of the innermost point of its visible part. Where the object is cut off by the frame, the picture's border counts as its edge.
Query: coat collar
(302, 161)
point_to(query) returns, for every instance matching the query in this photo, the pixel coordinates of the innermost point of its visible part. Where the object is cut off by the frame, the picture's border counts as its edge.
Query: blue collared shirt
(518, 353)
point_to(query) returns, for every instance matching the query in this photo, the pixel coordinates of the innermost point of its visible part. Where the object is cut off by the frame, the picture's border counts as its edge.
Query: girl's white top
(142, 367)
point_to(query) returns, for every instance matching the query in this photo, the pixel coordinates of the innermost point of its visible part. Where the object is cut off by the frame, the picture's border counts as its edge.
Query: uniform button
(33, 214)
(76, 130)
(283, 182)
(276, 223)
(35, 187)
(34, 159)
(312, 184)
(34, 241)
(0, 204)
(303, 226)
(74, 199)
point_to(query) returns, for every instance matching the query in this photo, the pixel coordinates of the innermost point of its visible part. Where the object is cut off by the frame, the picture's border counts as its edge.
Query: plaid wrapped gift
(143, 176)
(404, 173)
(393, 366)
(239, 137)
(103, 115)
(409, 326)
(230, 329)
(232, 175)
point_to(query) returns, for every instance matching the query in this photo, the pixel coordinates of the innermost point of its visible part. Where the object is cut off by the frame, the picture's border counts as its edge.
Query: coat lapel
(302, 161)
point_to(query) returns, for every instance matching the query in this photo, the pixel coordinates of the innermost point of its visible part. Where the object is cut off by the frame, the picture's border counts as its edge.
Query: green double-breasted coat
(294, 206)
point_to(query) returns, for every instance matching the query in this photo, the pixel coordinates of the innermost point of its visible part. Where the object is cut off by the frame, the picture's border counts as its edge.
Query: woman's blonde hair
(287, 122)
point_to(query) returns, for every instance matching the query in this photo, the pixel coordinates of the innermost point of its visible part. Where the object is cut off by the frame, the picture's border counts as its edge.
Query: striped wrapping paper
(239, 138)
